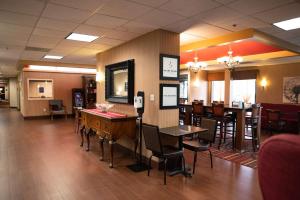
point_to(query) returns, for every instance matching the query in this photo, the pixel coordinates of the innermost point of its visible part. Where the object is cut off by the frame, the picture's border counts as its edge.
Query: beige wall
(198, 86)
(274, 75)
(145, 51)
(63, 84)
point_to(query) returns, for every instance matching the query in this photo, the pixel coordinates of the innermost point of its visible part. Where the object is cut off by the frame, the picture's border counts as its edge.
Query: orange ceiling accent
(242, 48)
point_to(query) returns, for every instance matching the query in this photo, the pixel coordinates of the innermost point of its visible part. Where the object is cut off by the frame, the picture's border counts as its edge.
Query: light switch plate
(151, 97)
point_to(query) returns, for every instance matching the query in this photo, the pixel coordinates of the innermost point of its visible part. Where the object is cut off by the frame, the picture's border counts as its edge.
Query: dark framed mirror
(119, 82)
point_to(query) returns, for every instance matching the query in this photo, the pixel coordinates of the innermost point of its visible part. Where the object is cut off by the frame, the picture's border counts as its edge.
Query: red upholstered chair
(279, 167)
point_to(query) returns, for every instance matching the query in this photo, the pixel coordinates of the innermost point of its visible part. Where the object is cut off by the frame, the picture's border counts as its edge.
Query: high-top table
(240, 120)
(110, 126)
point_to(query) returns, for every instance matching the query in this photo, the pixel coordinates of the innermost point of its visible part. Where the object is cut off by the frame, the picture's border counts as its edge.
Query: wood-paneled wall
(145, 51)
(62, 83)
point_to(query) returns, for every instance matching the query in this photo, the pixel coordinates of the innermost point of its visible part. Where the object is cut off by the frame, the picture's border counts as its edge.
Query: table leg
(240, 130)
(111, 149)
(101, 141)
(82, 131)
(87, 135)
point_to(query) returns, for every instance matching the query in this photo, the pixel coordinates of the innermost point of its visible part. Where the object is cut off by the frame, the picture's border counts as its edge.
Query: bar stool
(252, 122)
(198, 112)
(222, 121)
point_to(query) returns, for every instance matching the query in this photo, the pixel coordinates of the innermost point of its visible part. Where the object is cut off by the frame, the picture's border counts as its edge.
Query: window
(217, 90)
(183, 87)
(40, 89)
(243, 90)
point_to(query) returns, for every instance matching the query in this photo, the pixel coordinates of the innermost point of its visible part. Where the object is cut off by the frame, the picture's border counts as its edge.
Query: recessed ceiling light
(289, 24)
(82, 37)
(53, 57)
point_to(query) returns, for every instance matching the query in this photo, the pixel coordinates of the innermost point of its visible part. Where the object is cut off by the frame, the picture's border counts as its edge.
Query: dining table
(240, 120)
(180, 132)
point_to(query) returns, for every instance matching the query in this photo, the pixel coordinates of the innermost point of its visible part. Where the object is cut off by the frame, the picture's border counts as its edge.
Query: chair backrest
(255, 110)
(56, 104)
(218, 110)
(278, 167)
(211, 125)
(273, 115)
(152, 138)
(197, 107)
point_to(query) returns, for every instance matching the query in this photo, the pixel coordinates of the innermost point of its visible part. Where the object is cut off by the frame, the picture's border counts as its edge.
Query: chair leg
(221, 134)
(183, 160)
(225, 132)
(195, 160)
(253, 139)
(165, 170)
(149, 165)
(211, 161)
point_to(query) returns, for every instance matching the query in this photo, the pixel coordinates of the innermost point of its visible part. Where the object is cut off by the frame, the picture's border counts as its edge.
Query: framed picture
(168, 96)
(169, 67)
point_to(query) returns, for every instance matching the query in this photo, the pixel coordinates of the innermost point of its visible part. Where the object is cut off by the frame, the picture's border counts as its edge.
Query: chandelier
(195, 66)
(230, 61)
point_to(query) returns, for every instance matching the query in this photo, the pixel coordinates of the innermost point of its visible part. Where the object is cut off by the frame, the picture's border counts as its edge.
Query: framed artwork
(291, 90)
(168, 96)
(169, 67)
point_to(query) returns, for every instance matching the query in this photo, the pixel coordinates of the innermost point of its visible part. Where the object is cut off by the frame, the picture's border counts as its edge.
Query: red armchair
(279, 168)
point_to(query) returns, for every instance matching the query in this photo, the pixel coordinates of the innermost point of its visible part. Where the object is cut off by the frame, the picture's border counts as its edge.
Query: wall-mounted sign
(169, 96)
(169, 67)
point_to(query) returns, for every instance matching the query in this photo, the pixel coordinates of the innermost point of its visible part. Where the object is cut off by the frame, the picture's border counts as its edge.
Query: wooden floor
(41, 159)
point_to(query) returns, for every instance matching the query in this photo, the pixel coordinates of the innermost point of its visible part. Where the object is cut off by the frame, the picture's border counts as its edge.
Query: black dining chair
(252, 122)
(164, 152)
(204, 140)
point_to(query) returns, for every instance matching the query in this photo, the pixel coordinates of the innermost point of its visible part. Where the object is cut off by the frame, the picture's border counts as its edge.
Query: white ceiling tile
(56, 24)
(31, 7)
(121, 35)
(90, 5)
(92, 30)
(225, 1)
(65, 13)
(136, 27)
(64, 50)
(159, 18)
(10, 52)
(13, 29)
(218, 15)
(70, 44)
(13, 40)
(85, 52)
(279, 14)
(188, 8)
(181, 26)
(50, 33)
(153, 3)
(206, 30)
(20, 19)
(254, 6)
(123, 9)
(187, 38)
(32, 55)
(105, 21)
(108, 41)
(43, 41)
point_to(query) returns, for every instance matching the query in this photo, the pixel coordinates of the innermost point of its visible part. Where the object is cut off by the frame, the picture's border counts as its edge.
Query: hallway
(41, 159)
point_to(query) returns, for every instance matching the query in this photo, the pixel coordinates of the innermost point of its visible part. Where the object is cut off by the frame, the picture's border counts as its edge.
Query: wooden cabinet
(89, 90)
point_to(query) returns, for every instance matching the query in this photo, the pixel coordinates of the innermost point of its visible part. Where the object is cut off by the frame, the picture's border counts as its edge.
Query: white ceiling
(45, 24)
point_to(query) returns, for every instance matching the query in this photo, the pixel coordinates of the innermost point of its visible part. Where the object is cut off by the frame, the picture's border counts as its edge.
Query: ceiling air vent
(27, 48)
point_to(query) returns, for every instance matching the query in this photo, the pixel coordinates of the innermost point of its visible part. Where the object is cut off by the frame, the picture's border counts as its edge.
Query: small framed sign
(168, 96)
(169, 67)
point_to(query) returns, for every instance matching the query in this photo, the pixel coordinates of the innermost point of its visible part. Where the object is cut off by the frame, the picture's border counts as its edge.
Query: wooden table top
(225, 106)
(182, 130)
(108, 115)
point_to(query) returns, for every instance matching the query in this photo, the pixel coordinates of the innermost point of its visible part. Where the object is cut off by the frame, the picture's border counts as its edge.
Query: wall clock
(169, 67)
